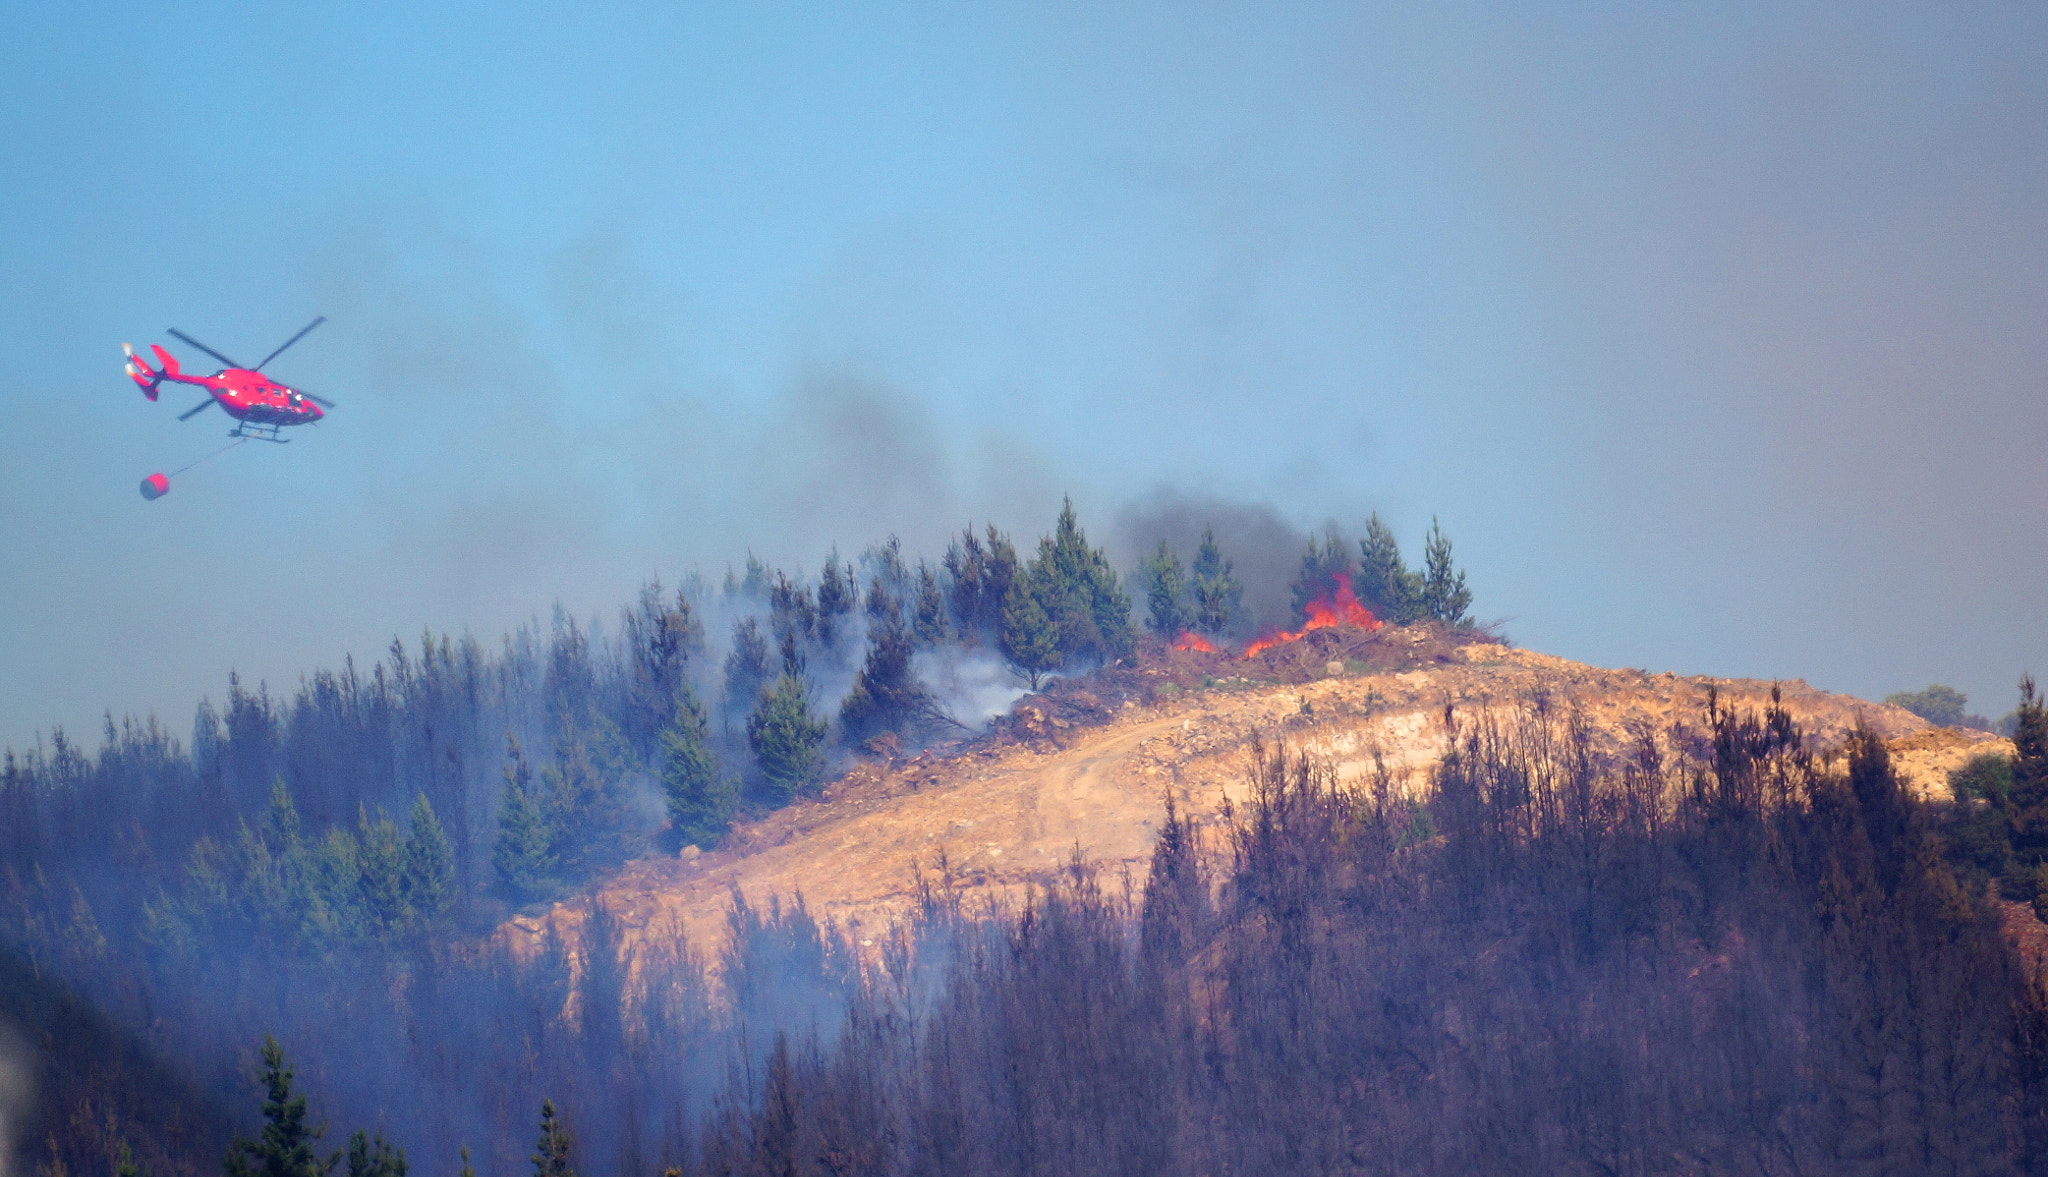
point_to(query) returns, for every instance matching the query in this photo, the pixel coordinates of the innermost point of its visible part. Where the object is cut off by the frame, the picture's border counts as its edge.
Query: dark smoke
(1264, 548)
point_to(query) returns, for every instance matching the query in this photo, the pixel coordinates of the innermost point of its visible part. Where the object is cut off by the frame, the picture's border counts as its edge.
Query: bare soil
(1084, 769)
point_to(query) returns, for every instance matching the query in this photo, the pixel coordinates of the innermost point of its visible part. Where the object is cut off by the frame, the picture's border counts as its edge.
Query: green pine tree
(930, 622)
(281, 820)
(1166, 592)
(381, 869)
(524, 854)
(551, 1151)
(1445, 597)
(661, 635)
(886, 696)
(700, 800)
(427, 866)
(586, 793)
(1000, 569)
(1027, 638)
(285, 1147)
(966, 564)
(1081, 593)
(748, 668)
(837, 595)
(787, 739)
(2027, 809)
(1385, 585)
(369, 1157)
(1217, 593)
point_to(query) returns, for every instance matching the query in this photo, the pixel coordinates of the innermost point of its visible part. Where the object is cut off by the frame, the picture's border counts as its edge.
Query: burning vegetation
(1339, 607)
(353, 845)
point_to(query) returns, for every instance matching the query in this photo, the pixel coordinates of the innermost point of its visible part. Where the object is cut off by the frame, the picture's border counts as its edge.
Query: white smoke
(973, 686)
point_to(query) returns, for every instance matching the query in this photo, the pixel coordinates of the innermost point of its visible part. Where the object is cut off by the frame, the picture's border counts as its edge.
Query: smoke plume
(1263, 548)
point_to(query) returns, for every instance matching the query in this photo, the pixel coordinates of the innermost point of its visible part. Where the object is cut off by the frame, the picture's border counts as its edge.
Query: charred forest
(275, 945)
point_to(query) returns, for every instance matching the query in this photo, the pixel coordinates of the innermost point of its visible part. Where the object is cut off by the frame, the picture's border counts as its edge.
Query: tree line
(1723, 950)
(515, 773)
(343, 845)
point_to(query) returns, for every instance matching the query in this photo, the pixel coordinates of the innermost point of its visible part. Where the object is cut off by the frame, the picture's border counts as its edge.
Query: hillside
(1080, 770)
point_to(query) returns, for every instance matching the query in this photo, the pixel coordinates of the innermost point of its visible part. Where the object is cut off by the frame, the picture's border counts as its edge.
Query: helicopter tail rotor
(145, 377)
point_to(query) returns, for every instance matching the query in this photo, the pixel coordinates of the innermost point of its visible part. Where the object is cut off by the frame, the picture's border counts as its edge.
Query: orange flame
(1190, 640)
(1340, 608)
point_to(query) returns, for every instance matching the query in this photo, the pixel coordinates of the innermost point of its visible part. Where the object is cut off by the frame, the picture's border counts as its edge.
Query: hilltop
(1085, 768)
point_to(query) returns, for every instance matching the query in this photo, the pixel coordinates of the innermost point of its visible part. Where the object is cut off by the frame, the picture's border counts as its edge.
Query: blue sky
(1713, 338)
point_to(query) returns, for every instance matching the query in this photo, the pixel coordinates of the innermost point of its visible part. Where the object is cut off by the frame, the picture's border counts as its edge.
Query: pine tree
(551, 1151)
(883, 562)
(1000, 570)
(524, 853)
(2027, 811)
(793, 660)
(1166, 592)
(748, 668)
(755, 583)
(700, 800)
(882, 603)
(1217, 592)
(661, 636)
(283, 876)
(886, 696)
(379, 861)
(585, 790)
(374, 1158)
(791, 613)
(930, 622)
(966, 566)
(428, 874)
(837, 595)
(285, 1146)
(1445, 597)
(1028, 640)
(1080, 593)
(570, 686)
(281, 820)
(788, 740)
(1385, 585)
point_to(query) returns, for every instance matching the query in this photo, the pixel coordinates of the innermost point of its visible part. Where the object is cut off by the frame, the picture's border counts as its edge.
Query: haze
(1714, 339)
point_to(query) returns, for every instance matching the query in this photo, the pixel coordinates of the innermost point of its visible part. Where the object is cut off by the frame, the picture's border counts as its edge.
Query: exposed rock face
(1088, 773)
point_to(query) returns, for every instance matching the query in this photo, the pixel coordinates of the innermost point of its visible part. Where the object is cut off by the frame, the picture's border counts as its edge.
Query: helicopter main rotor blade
(202, 347)
(287, 343)
(195, 409)
(322, 401)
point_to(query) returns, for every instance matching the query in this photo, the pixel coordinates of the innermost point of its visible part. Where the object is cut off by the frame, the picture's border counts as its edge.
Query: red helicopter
(260, 406)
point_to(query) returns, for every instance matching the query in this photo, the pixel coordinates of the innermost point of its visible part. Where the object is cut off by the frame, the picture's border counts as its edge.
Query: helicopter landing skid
(259, 433)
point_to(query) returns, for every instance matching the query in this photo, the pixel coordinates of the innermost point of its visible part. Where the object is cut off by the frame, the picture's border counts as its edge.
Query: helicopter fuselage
(256, 398)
